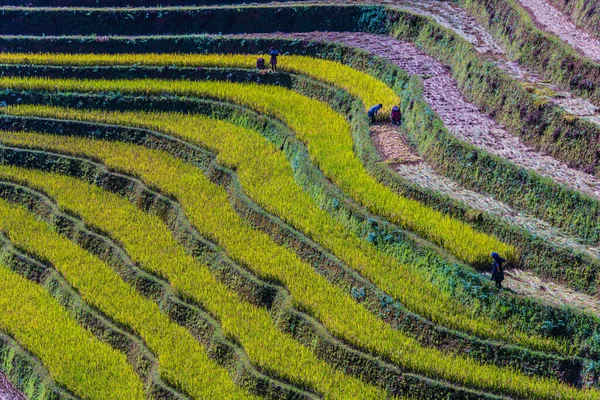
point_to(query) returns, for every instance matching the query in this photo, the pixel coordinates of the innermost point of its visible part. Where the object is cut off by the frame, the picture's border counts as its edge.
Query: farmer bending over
(498, 270)
(273, 53)
(373, 112)
(396, 116)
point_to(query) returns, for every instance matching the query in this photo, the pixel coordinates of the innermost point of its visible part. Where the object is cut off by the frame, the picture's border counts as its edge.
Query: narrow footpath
(8, 391)
(462, 118)
(550, 19)
(395, 150)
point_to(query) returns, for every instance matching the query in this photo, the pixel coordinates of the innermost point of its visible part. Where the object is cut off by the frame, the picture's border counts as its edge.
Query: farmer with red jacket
(396, 116)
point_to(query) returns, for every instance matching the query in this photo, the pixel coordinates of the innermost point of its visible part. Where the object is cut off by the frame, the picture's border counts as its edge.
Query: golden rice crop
(329, 142)
(151, 245)
(267, 177)
(182, 360)
(358, 84)
(73, 356)
(207, 207)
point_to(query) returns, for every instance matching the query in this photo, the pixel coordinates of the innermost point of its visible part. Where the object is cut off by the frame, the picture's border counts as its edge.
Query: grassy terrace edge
(187, 314)
(511, 102)
(541, 198)
(451, 156)
(296, 324)
(293, 151)
(26, 372)
(544, 53)
(583, 13)
(92, 101)
(87, 318)
(539, 364)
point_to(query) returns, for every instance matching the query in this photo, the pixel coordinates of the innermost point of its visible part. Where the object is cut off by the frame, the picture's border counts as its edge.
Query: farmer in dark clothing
(498, 269)
(260, 63)
(273, 53)
(373, 112)
(396, 116)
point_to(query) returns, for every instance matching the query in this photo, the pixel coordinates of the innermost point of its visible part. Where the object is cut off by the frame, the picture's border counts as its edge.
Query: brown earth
(465, 121)
(525, 283)
(553, 21)
(392, 146)
(8, 391)
(460, 116)
(395, 150)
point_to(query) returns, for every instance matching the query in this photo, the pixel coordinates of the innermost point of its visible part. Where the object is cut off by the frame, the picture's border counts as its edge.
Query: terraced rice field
(176, 223)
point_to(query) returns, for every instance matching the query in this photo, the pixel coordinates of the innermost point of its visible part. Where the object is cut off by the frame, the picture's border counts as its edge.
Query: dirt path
(551, 20)
(524, 283)
(455, 18)
(8, 391)
(460, 116)
(449, 16)
(395, 150)
(393, 147)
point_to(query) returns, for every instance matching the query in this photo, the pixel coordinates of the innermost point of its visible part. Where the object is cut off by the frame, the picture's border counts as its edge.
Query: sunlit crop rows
(266, 176)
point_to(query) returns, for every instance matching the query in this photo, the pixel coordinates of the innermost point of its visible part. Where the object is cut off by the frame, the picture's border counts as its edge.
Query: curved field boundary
(553, 21)
(583, 13)
(565, 136)
(462, 118)
(541, 208)
(177, 73)
(191, 186)
(193, 107)
(333, 269)
(66, 368)
(27, 374)
(204, 327)
(226, 113)
(301, 326)
(394, 150)
(516, 173)
(143, 361)
(330, 143)
(396, 290)
(553, 59)
(37, 237)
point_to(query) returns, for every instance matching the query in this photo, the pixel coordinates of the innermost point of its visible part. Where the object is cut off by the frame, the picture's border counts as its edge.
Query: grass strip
(359, 84)
(210, 212)
(182, 360)
(73, 356)
(330, 145)
(267, 177)
(151, 245)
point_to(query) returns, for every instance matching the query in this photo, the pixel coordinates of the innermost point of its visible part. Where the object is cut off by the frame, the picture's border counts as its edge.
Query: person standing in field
(373, 112)
(273, 53)
(396, 116)
(498, 270)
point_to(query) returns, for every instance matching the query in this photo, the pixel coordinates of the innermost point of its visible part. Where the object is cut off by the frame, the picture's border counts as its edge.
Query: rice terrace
(318, 199)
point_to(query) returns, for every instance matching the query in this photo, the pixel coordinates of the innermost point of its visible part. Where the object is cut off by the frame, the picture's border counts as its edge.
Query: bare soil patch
(8, 391)
(392, 146)
(551, 20)
(525, 283)
(460, 116)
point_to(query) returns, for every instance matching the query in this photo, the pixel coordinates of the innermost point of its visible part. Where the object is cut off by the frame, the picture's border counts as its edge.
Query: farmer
(498, 270)
(273, 53)
(260, 63)
(373, 112)
(396, 116)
